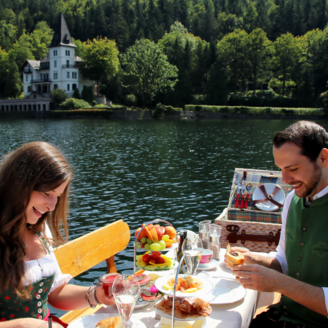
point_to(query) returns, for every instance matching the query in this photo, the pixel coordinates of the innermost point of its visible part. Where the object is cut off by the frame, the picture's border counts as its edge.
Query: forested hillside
(223, 49)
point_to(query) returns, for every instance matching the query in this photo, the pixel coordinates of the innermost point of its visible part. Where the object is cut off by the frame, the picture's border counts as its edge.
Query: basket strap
(268, 197)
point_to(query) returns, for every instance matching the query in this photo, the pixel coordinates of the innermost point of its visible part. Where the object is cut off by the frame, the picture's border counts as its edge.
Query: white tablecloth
(235, 315)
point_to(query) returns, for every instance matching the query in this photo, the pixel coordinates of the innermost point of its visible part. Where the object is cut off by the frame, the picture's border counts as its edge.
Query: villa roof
(78, 59)
(62, 36)
(33, 63)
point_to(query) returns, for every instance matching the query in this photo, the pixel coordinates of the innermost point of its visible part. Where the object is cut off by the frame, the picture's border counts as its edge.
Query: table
(235, 315)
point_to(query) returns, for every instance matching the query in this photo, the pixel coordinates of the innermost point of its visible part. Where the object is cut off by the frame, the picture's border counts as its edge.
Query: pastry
(112, 322)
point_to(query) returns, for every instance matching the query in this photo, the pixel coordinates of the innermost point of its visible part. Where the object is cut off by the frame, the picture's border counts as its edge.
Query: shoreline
(192, 112)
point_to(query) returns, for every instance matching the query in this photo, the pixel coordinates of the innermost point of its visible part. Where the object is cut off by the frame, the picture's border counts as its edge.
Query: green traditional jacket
(307, 256)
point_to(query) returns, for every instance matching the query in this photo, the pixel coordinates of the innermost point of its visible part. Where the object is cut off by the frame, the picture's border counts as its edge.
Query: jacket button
(302, 243)
(304, 228)
(299, 258)
(284, 307)
(298, 274)
(41, 284)
(38, 296)
(40, 291)
(39, 310)
(39, 304)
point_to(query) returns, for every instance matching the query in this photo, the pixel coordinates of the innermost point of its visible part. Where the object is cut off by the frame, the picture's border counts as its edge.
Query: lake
(179, 171)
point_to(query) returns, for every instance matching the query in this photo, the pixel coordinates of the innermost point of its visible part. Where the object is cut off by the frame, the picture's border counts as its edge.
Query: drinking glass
(215, 245)
(195, 249)
(126, 292)
(204, 233)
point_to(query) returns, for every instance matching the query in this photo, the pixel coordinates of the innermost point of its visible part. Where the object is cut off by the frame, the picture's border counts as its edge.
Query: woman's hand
(102, 298)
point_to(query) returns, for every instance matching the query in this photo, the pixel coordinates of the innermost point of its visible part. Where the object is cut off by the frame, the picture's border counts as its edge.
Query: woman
(34, 183)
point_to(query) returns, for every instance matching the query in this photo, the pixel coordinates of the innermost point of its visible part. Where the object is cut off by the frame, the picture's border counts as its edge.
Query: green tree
(148, 69)
(287, 54)
(76, 94)
(233, 54)
(7, 35)
(227, 23)
(100, 61)
(216, 89)
(260, 50)
(250, 17)
(58, 96)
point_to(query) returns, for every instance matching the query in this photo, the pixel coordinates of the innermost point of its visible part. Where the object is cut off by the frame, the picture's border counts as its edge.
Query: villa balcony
(70, 66)
(44, 80)
(28, 71)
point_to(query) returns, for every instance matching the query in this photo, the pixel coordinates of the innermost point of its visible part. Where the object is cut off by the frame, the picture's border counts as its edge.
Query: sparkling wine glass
(193, 247)
(126, 292)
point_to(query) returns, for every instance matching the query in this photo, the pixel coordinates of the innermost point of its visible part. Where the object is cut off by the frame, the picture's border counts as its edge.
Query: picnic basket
(250, 227)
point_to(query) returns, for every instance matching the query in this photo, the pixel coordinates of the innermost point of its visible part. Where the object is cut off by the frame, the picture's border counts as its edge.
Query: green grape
(162, 244)
(147, 247)
(138, 245)
(143, 240)
(149, 241)
(155, 247)
(166, 237)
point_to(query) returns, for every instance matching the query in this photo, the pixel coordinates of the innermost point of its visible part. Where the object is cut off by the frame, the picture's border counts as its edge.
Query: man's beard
(313, 184)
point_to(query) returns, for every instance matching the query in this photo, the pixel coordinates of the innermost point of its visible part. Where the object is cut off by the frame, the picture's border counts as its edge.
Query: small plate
(207, 266)
(140, 303)
(267, 205)
(169, 316)
(225, 291)
(207, 287)
(90, 321)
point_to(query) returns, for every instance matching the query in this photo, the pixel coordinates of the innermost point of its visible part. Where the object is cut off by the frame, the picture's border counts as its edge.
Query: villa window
(26, 78)
(74, 86)
(55, 63)
(55, 52)
(29, 89)
(67, 63)
(67, 87)
(67, 52)
(55, 75)
(55, 86)
(74, 75)
(68, 75)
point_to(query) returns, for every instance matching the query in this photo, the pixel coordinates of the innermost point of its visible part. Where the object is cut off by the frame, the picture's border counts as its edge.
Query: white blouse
(45, 267)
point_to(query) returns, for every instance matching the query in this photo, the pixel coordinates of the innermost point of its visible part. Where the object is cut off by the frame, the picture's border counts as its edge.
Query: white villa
(59, 70)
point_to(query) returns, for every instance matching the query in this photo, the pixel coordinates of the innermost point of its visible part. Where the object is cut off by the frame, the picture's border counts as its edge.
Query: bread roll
(235, 258)
(112, 322)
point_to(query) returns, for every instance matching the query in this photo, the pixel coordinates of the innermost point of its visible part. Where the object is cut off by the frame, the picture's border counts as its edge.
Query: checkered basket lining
(252, 213)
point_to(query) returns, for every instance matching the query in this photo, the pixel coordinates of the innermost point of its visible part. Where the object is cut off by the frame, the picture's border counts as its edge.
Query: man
(299, 270)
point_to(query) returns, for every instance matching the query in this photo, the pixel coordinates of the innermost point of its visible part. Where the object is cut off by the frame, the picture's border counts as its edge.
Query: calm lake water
(179, 171)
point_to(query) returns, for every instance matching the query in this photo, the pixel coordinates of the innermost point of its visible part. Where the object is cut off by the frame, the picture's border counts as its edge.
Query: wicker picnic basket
(250, 227)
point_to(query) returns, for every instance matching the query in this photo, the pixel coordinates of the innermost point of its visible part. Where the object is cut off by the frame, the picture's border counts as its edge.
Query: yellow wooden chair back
(83, 253)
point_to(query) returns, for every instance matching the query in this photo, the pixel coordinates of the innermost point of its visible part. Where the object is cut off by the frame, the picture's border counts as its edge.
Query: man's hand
(258, 277)
(248, 256)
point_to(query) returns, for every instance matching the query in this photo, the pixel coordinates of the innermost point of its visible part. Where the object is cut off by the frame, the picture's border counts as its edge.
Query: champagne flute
(195, 249)
(126, 292)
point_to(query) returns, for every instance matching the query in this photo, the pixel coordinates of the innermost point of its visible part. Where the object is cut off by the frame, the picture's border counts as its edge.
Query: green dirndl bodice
(14, 307)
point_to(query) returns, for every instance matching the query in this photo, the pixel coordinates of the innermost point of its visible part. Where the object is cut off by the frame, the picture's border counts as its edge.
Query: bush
(58, 95)
(73, 103)
(76, 94)
(94, 103)
(130, 100)
(87, 94)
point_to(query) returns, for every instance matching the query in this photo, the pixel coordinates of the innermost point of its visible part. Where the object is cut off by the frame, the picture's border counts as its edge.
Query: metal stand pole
(175, 285)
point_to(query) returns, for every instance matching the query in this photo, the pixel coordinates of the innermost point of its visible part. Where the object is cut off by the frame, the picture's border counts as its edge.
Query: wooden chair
(85, 252)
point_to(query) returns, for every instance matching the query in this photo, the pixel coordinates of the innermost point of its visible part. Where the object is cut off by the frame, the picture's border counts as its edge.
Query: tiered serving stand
(178, 269)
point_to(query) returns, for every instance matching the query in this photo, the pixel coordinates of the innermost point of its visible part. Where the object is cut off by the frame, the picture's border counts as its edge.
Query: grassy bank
(256, 111)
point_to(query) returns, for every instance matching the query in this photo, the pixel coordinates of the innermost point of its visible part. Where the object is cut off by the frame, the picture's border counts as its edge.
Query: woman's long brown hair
(34, 166)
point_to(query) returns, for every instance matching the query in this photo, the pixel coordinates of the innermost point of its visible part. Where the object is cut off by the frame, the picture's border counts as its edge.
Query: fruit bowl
(173, 246)
(154, 261)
